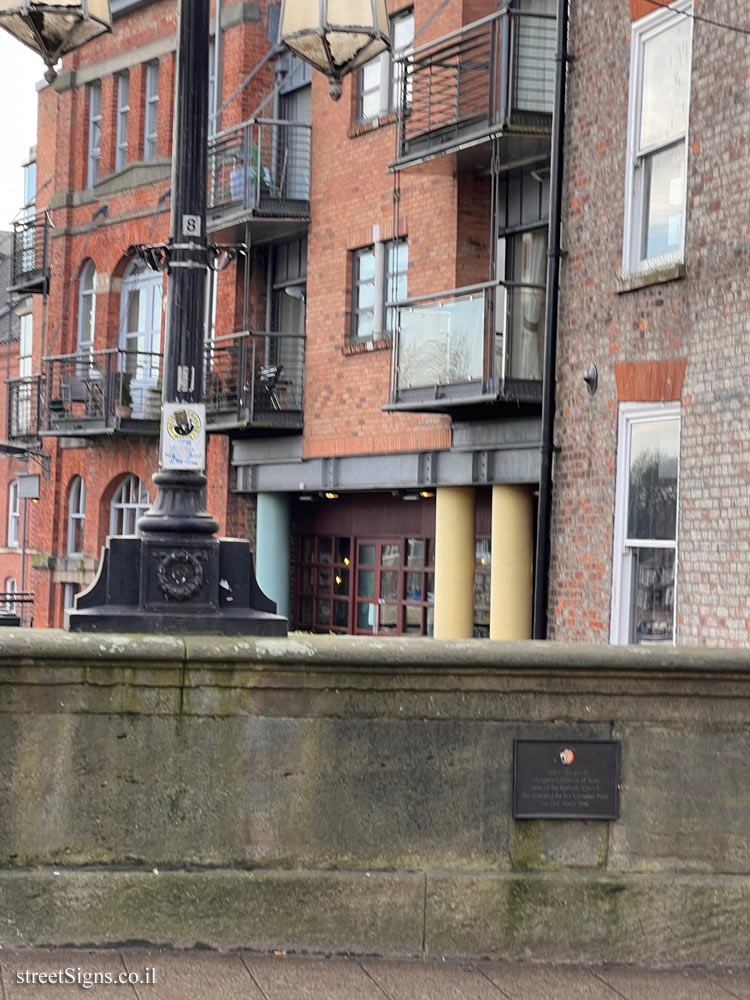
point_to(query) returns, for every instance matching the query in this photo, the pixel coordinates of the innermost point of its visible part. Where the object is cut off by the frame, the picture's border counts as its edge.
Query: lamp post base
(165, 584)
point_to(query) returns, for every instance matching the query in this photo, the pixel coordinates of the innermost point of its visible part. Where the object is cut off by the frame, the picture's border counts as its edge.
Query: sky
(20, 69)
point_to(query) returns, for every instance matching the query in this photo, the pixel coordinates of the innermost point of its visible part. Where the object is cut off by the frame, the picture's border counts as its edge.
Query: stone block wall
(328, 794)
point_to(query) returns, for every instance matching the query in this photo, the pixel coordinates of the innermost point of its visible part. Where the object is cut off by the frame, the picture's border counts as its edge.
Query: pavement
(60, 974)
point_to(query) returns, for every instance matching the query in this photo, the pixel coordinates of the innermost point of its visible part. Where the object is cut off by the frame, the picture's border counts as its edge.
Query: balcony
(29, 257)
(102, 391)
(250, 380)
(260, 171)
(493, 78)
(25, 400)
(255, 380)
(476, 345)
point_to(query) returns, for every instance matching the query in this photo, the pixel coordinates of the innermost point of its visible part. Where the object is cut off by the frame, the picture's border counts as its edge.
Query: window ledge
(362, 128)
(366, 346)
(631, 281)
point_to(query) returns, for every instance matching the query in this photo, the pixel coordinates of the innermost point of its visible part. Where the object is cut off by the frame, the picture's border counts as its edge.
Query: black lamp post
(177, 577)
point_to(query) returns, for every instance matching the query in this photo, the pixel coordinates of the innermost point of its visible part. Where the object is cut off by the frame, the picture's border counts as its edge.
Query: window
(151, 111)
(76, 516)
(140, 331)
(14, 515)
(95, 131)
(26, 345)
(366, 586)
(123, 114)
(379, 80)
(86, 313)
(11, 589)
(645, 553)
(379, 276)
(657, 139)
(69, 592)
(130, 501)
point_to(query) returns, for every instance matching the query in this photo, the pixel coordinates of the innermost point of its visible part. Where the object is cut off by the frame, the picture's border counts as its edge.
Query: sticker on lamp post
(183, 436)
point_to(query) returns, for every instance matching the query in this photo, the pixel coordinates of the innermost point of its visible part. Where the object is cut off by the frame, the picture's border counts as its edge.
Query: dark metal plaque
(566, 779)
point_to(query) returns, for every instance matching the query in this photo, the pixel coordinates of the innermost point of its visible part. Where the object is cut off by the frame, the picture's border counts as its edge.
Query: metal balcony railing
(25, 402)
(255, 379)
(493, 76)
(482, 340)
(98, 390)
(260, 168)
(29, 257)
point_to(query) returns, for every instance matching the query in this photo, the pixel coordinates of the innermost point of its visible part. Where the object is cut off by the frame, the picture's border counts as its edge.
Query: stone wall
(329, 794)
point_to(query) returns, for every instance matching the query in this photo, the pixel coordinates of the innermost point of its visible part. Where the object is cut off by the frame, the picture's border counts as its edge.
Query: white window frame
(642, 31)
(131, 499)
(11, 587)
(389, 82)
(383, 282)
(123, 115)
(631, 414)
(86, 307)
(76, 513)
(151, 111)
(95, 132)
(14, 516)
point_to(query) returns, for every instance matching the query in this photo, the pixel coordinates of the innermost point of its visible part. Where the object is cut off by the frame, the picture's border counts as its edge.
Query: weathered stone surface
(264, 910)
(672, 920)
(332, 758)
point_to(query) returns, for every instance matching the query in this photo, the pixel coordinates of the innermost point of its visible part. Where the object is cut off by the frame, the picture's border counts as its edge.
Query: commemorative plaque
(559, 779)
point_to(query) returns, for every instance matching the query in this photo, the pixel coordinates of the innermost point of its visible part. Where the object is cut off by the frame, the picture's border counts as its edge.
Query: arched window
(14, 515)
(131, 499)
(140, 330)
(86, 309)
(76, 516)
(11, 589)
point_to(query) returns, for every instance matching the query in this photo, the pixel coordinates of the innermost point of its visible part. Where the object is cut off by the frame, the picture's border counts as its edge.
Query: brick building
(373, 368)
(650, 532)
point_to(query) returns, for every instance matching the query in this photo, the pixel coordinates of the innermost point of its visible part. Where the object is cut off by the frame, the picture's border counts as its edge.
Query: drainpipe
(554, 253)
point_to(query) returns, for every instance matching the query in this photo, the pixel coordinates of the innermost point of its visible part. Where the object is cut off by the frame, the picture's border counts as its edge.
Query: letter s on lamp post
(334, 36)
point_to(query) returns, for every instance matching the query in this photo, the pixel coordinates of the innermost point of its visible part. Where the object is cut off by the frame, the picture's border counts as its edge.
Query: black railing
(495, 75)
(101, 389)
(262, 168)
(29, 263)
(255, 379)
(25, 405)
(486, 338)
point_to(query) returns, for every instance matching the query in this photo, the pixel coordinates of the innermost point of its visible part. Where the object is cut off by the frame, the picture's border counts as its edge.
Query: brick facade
(697, 324)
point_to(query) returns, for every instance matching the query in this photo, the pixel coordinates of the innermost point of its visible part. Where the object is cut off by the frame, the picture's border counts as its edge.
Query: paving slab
(644, 984)
(431, 981)
(203, 975)
(45, 974)
(524, 981)
(291, 978)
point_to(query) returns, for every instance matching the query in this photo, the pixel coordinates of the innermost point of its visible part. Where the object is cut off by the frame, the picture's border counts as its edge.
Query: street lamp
(177, 578)
(334, 36)
(53, 29)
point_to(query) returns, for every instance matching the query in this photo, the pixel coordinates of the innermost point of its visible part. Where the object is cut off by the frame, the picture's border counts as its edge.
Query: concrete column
(455, 548)
(272, 555)
(511, 577)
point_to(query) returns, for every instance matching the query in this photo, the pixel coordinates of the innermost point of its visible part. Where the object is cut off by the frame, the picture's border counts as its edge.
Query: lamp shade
(52, 29)
(334, 36)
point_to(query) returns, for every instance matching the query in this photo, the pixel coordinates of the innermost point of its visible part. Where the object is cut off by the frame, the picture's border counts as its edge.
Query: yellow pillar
(511, 575)
(454, 562)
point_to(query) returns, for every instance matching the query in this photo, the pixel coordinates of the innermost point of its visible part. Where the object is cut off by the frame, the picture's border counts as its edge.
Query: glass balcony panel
(441, 342)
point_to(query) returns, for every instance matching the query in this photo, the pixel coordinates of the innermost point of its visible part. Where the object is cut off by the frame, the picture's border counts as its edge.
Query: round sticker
(183, 425)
